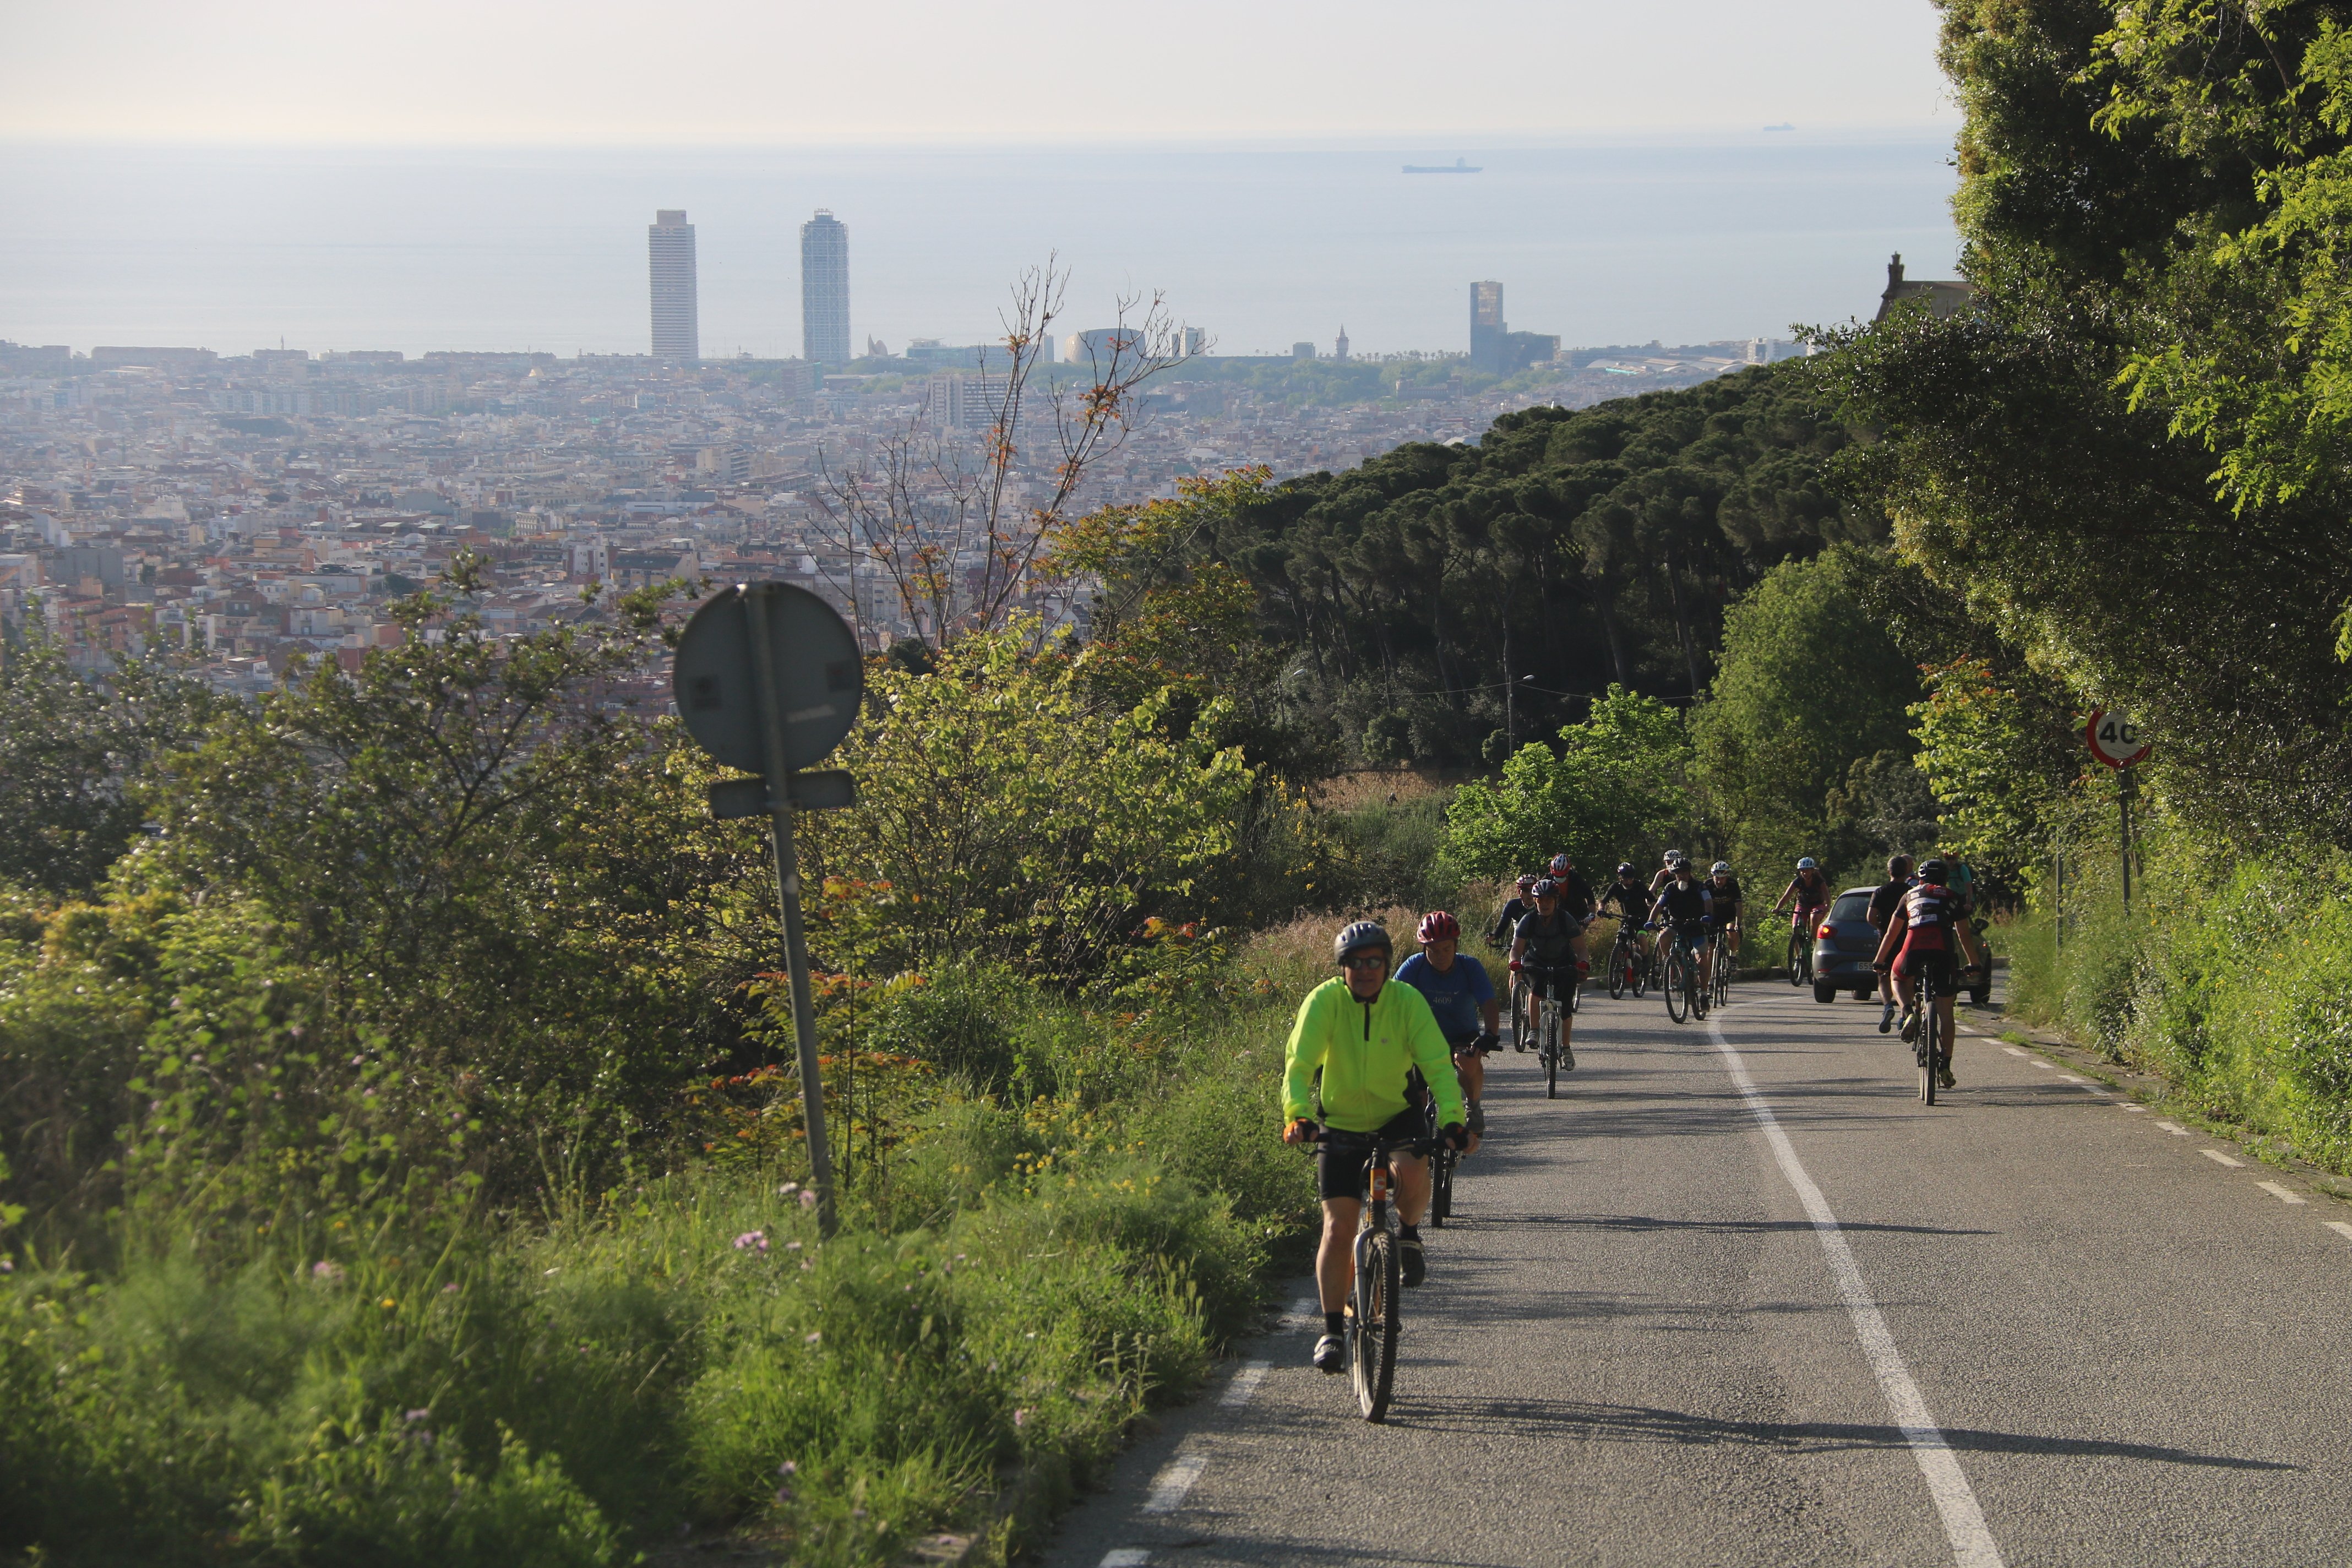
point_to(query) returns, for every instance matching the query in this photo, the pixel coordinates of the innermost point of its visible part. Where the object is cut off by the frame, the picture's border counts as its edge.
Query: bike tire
(1551, 1052)
(1441, 1187)
(1796, 959)
(1642, 966)
(1700, 985)
(1379, 1283)
(1621, 968)
(1925, 1050)
(1518, 1013)
(1677, 1004)
(1723, 961)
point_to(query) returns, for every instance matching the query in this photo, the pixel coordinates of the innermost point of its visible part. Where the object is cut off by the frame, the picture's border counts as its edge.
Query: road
(1738, 1297)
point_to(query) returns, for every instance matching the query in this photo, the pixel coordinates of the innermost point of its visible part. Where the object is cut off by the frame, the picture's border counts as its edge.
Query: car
(1844, 944)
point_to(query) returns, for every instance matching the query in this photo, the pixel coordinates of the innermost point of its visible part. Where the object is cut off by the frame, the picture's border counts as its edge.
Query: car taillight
(1826, 932)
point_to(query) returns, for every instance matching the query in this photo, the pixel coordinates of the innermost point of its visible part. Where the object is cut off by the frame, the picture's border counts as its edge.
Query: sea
(1601, 241)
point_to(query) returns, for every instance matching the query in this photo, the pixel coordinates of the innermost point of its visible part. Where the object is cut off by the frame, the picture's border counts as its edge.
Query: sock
(1335, 1322)
(1410, 1232)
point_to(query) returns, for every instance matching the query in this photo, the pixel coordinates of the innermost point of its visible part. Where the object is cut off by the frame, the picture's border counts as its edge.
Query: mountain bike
(1726, 959)
(1372, 1319)
(1929, 1044)
(1549, 1013)
(1519, 1020)
(1801, 946)
(1678, 979)
(1442, 1158)
(1629, 965)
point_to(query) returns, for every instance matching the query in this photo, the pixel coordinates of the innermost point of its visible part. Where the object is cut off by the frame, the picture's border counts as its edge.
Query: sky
(604, 72)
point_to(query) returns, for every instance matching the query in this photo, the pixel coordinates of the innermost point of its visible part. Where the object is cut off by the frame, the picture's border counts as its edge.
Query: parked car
(1844, 944)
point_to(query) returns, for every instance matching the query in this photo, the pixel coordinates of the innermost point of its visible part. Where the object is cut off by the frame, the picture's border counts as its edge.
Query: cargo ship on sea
(1459, 167)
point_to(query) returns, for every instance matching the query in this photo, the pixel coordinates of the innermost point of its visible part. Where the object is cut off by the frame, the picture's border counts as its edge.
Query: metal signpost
(2115, 741)
(768, 679)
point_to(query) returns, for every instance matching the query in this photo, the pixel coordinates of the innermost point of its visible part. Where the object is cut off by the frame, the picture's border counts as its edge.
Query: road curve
(1738, 1297)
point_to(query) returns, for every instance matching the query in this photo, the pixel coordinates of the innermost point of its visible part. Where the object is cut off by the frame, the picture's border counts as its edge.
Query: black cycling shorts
(1339, 1159)
(1548, 980)
(1910, 963)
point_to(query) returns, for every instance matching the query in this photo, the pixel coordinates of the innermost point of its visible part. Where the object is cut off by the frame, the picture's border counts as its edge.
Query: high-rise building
(824, 289)
(669, 245)
(1486, 328)
(1340, 349)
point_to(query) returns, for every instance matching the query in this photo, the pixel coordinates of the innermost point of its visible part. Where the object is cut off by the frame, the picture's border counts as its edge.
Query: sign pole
(788, 894)
(2130, 783)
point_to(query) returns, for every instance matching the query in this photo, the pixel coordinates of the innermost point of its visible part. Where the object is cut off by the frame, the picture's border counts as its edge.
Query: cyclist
(1513, 912)
(1456, 986)
(1350, 1059)
(1576, 897)
(1883, 899)
(1545, 951)
(1724, 889)
(1928, 932)
(1631, 902)
(1684, 908)
(1666, 871)
(1809, 890)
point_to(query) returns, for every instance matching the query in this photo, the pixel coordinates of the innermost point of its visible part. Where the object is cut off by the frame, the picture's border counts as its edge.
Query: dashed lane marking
(2046, 1066)
(1956, 1502)
(2221, 1159)
(1245, 1383)
(1174, 1479)
(2021, 1056)
(2174, 1128)
(1127, 1557)
(1306, 1310)
(2341, 1228)
(2140, 1109)
(2283, 1195)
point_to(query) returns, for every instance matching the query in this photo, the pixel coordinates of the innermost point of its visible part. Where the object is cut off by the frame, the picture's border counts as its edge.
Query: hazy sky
(601, 71)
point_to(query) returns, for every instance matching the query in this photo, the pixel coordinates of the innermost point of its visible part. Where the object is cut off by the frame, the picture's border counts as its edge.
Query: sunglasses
(1365, 960)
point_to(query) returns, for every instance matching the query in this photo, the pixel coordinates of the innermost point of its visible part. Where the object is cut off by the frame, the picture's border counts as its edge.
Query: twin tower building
(825, 288)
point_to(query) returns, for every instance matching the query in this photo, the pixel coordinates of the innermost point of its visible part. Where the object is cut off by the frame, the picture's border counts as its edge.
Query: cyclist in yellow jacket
(1353, 1051)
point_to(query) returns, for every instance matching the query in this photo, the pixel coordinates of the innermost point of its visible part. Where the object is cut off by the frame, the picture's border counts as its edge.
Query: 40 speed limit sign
(2113, 739)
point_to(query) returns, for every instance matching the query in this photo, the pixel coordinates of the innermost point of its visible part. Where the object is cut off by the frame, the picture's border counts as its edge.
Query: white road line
(1948, 1485)
(2341, 1228)
(2174, 1128)
(2012, 1050)
(2046, 1066)
(1245, 1383)
(1306, 1309)
(2283, 1195)
(2138, 1108)
(2070, 1077)
(1174, 1479)
(1127, 1557)
(2221, 1159)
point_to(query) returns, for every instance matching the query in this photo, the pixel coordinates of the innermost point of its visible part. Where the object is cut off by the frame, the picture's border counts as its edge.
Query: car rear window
(1850, 907)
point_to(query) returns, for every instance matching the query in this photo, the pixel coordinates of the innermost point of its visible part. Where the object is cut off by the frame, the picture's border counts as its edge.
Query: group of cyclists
(1367, 1060)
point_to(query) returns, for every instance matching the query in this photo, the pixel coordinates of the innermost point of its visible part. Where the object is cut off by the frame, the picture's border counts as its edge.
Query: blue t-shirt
(1455, 997)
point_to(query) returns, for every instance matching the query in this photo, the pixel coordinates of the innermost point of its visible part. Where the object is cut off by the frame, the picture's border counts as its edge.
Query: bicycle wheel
(1575, 984)
(1620, 967)
(1551, 1051)
(1796, 958)
(1702, 981)
(1924, 1048)
(1378, 1285)
(1723, 962)
(1518, 1013)
(1677, 1004)
(1441, 1187)
(1645, 965)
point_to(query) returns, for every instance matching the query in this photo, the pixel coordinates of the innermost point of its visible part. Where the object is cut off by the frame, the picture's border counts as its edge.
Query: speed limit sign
(2113, 739)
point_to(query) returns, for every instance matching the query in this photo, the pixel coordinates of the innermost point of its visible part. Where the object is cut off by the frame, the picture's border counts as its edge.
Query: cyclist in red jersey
(1928, 930)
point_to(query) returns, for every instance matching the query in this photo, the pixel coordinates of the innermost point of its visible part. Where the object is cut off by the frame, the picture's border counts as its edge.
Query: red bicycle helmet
(1439, 926)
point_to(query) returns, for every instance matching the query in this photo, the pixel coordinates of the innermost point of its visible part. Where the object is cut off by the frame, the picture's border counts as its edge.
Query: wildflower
(787, 1189)
(322, 1269)
(1020, 1417)
(789, 1468)
(792, 1246)
(558, 1269)
(783, 1496)
(814, 1335)
(808, 1199)
(418, 1415)
(806, 1264)
(388, 1303)
(752, 1241)
(450, 1289)
(857, 1513)
(7, 1265)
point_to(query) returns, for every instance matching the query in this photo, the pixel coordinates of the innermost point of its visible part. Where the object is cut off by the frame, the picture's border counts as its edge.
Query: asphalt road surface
(1738, 1297)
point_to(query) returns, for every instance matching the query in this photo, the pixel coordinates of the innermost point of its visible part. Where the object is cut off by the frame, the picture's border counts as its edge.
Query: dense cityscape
(248, 508)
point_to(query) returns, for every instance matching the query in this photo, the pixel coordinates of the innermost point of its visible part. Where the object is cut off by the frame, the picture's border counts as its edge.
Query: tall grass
(1016, 1278)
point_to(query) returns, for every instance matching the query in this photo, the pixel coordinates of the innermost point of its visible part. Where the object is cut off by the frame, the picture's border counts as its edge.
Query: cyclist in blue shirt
(1462, 998)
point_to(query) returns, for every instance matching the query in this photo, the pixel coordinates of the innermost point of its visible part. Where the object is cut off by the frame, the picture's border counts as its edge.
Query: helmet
(1625, 868)
(1527, 881)
(1934, 871)
(1358, 936)
(1439, 926)
(1683, 868)
(1561, 865)
(1546, 888)
(1675, 857)
(1808, 864)
(1720, 868)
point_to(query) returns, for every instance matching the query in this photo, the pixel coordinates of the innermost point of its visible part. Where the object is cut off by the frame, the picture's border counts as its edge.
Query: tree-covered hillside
(1441, 594)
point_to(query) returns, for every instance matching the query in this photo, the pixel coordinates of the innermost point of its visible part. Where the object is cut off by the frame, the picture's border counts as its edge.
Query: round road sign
(2113, 739)
(820, 679)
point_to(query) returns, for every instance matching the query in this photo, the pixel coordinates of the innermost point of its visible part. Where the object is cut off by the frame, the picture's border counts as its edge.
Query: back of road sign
(820, 679)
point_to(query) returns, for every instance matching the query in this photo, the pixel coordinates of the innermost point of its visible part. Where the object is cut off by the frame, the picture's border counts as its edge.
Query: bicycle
(1548, 1011)
(1629, 964)
(1442, 1158)
(1727, 955)
(1680, 981)
(1801, 946)
(1931, 1032)
(1518, 1011)
(1373, 1322)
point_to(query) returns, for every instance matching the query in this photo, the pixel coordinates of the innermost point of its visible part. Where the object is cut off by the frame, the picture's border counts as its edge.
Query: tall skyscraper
(669, 246)
(1486, 328)
(824, 289)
